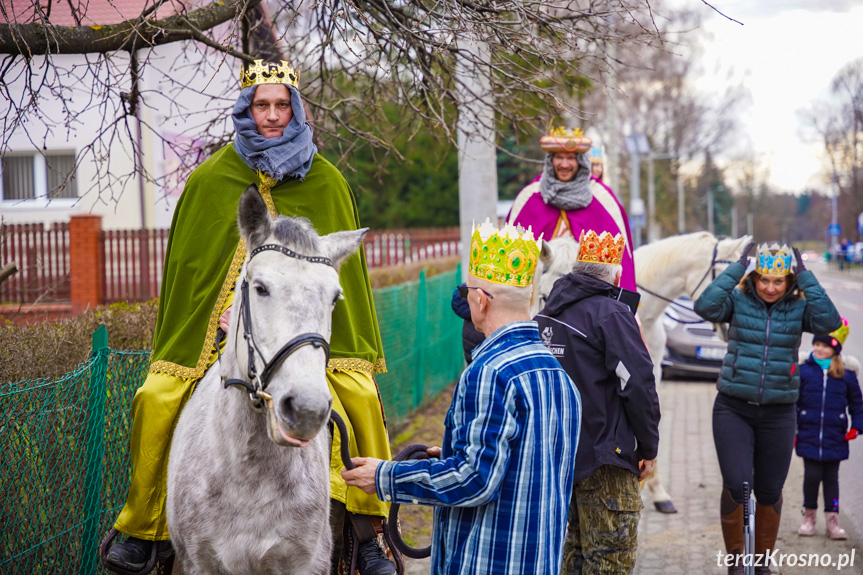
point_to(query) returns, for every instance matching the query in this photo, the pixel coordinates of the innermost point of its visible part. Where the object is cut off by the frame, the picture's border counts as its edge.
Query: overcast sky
(786, 54)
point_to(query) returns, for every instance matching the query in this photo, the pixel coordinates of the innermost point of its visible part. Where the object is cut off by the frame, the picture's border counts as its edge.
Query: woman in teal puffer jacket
(754, 416)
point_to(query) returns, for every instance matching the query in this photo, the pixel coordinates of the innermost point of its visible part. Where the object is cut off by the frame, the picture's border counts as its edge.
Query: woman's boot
(834, 530)
(732, 529)
(807, 527)
(766, 529)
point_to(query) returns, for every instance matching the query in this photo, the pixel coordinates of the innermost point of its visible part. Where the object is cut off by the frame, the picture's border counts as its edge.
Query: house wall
(170, 112)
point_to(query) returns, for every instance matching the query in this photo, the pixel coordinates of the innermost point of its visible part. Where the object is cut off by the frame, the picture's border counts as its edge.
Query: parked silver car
(694, 348)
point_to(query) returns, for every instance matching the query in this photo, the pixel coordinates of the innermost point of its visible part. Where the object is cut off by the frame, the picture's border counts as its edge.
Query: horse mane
(655, 259)
(298, 233)
(564, 253)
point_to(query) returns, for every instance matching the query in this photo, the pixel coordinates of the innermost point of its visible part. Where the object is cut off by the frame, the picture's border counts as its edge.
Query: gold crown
(562, 139)
(506, 257)
(773, 260)
(563, 132)
(602, 249)
(266, 73)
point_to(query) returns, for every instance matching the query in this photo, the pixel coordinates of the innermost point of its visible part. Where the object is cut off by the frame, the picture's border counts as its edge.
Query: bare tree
(656, 96)
(838, 124)
(356, 57)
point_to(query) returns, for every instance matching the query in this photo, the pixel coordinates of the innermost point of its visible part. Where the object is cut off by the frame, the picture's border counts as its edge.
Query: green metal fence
(64, 462)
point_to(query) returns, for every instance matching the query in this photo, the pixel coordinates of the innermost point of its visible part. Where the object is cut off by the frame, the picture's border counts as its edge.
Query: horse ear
(339, 245)
(254, 218)
(546, 255)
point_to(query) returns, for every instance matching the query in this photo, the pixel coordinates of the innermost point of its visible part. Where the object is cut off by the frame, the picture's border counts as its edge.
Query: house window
(38, 177)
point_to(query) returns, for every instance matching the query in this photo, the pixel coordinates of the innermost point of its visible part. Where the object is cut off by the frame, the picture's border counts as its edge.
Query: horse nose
(287, 410)
(303, 416)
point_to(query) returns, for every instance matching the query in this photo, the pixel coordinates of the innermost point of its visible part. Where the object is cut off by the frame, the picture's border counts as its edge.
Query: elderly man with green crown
(272, 148)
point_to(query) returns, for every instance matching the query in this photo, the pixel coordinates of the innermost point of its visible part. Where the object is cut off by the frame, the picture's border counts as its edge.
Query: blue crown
(773, 260)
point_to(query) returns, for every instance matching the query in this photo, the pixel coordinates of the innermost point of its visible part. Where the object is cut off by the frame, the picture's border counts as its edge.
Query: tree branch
(35, 38)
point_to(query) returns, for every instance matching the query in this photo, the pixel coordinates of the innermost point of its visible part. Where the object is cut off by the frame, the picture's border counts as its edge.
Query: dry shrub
(50, 349)
(395, 275)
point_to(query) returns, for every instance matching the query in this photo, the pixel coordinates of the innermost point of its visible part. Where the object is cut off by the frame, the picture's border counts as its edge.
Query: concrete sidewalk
(688, 541)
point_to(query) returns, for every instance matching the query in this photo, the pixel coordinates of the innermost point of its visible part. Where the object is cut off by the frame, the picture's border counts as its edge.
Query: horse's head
(728, 251)
(555, 261)
(292, 287)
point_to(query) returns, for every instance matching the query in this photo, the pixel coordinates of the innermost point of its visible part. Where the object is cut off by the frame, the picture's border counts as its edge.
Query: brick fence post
(85, 261)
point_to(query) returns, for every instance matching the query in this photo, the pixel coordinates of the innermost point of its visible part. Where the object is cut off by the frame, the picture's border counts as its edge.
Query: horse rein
(256, 384)
(711, 270)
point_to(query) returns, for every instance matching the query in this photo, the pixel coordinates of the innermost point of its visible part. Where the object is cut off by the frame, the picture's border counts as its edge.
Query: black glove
(800, 266)
(744, 257)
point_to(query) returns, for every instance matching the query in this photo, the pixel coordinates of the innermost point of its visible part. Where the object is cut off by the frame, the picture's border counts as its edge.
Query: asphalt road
(846, 291)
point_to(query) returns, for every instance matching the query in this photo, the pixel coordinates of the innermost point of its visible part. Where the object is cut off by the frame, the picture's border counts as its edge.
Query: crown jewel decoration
(261, 72)
(507, 256)
(773, 260)
(600, 249)
(562, 139)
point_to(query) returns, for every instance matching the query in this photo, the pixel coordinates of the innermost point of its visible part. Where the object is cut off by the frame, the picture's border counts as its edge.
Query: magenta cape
(603, 214)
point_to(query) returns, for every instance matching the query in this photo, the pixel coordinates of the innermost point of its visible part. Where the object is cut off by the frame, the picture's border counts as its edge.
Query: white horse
(248, 476)
(668, 268)
(676, 266)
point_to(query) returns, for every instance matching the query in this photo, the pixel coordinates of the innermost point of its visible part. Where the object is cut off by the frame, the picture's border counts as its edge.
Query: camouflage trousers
(602, 529)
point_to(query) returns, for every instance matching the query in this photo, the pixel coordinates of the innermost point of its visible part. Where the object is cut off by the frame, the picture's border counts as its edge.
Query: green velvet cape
(205, 254)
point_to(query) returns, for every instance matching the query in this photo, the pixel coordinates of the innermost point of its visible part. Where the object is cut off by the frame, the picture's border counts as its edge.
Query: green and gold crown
(507, 256)
(261, 72)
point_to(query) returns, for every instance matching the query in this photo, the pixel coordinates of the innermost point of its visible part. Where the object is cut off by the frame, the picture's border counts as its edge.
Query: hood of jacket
(572, 288)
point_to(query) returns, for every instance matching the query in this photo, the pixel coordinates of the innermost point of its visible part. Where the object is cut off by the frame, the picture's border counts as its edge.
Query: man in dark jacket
(597, 341)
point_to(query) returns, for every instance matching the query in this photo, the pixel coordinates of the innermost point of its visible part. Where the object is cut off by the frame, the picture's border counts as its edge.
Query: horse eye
(261, 290)
(337, 298)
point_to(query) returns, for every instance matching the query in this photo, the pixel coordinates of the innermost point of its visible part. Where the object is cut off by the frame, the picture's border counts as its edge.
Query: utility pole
(477, 155)
(681, 209)
(652, 227)
(610, 168)
(710, 226)
(834, 212)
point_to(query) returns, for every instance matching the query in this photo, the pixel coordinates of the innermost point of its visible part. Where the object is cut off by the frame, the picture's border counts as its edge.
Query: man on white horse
(593, 335)
(566, 199)
(273, 148)
(503, 479)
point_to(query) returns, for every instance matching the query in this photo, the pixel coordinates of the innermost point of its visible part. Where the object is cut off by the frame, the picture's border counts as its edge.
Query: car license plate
(711, 353)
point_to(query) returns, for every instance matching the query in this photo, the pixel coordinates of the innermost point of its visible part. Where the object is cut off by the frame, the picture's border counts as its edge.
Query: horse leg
(661, 499)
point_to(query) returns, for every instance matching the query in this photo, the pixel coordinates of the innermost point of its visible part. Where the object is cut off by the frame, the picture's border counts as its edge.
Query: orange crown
(602, 249)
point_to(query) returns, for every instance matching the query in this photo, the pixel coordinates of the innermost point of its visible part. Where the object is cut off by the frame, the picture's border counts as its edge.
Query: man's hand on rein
(363, 475)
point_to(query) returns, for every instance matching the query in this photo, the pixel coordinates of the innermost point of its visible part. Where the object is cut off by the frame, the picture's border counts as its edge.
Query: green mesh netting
(422, 342)
(64, 462)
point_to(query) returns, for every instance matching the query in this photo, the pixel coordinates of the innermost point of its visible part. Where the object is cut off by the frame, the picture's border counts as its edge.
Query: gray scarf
(572, 195)
(288, 156)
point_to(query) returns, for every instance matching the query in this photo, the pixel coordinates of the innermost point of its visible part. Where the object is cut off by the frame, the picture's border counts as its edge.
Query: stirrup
(151, 563)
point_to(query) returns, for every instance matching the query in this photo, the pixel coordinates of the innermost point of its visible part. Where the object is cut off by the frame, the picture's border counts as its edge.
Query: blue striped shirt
(502, 485)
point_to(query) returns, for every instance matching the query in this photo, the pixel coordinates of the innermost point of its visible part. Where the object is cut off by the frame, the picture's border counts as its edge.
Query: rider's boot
(766, 529)
(371, 559)
(732, 530)
(133, 554)
(337, 525)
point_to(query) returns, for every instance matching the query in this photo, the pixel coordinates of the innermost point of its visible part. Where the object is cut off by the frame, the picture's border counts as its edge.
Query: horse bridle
(256, 384)
(710, 271)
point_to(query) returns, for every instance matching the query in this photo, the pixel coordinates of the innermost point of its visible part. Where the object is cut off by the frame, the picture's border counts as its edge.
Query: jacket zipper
(823, 401)
(764, 361)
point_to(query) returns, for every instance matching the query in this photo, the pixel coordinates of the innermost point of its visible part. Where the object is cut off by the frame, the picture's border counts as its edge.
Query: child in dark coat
(828, 391)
